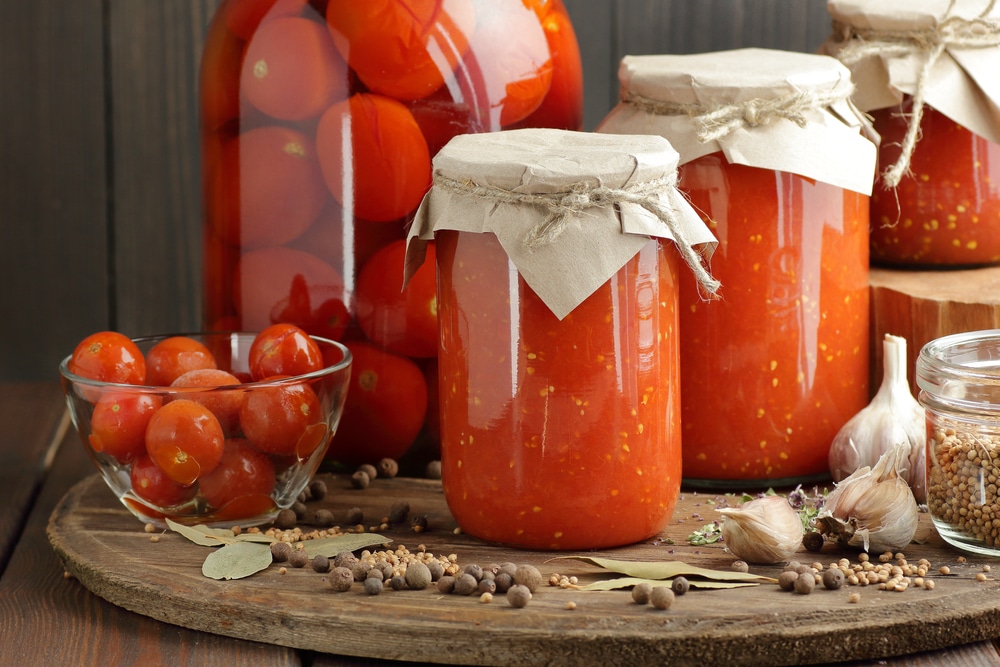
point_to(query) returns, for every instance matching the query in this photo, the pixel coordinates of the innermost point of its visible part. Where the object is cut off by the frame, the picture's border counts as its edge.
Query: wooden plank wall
(99, 179)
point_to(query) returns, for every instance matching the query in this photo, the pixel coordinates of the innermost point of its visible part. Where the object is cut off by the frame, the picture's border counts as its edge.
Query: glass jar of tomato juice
(937, 198)
(319, 122)
(773, 157)
(559, 374)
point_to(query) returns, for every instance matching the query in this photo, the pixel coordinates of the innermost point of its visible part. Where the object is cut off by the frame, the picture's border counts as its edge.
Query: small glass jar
(924, 71)
(558, 367)
(959, 381)
(319, 122)
(779, 364)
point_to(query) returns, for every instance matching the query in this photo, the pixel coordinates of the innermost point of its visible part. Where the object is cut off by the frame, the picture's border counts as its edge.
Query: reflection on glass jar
(772, 370)
(319, 122)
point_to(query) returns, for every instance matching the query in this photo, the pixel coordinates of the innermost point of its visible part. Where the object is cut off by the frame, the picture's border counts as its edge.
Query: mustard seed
(661, 597)
(418, 576)
(680, 585)
(518, 596)
(528, 575)
(640, 592)
(298, 558)
(280, 551)
(387, 468)
(340, 579)
(360, 480)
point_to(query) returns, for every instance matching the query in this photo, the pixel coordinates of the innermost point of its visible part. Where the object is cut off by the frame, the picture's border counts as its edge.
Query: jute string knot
(716, 121)
(562, 206)
(931, 43)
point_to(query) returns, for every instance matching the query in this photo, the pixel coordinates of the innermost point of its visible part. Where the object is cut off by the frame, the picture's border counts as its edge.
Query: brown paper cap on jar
(760, 107)
(569, 208)
(889, 47)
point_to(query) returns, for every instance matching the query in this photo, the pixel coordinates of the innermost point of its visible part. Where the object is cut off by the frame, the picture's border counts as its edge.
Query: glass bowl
(167, 463)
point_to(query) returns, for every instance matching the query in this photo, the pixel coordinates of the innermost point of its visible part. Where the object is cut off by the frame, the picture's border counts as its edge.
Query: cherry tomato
(441, 118)
(172, 357)
(118, 425)
(108, 356)
(243, 471)
(281, 284)
(275, 418)
(401, 320)
(562, 107)
(283, 349)
(185, 440)
(244, 16)
(389, 159)
(385, 407)
(219, 84)
(224, 404)
(291, 69)
(266, 175)
(402, 48)
(153, 485)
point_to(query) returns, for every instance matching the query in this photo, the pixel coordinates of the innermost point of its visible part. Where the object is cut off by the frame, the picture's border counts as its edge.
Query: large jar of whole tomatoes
(927, 73)
(558, 268)
(319, 122)
(772, 154)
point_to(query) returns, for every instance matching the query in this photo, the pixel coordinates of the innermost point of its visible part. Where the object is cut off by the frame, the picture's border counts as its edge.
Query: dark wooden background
(99, 179)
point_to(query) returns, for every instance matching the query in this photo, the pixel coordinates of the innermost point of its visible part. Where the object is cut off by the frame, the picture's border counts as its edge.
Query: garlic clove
(764, 530)
(874, 508)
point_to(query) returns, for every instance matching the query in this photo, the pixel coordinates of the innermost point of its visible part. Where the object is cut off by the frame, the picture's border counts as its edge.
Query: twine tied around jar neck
(716, 121)
(561, 205)
(950, 32)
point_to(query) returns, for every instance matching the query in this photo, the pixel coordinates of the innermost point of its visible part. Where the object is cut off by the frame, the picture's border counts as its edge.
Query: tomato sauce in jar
(560, 403)
(319, 122)
(772, 371)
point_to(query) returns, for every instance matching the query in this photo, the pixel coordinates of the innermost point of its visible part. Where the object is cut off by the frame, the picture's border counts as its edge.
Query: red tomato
(285, 285)
(243, 471)
(440, 119)
(118, 425)
(150, 483)
(283, 349)
(402, 48)
(265, 176)
(108, 356)
(244, 16)
(389, 160)
(225, 405)
(172, 357)
(562, 107)
(385, 407)
(219, 84)
(400, 320)
(276, 418)
(185, 440)
(291, 69)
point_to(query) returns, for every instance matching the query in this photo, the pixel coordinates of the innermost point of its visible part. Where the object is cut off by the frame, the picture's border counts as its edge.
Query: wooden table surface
(47, 618)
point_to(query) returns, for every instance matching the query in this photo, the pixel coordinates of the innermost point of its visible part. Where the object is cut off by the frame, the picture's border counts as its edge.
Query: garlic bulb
(873, 508)
(764, 530)
(893, 416)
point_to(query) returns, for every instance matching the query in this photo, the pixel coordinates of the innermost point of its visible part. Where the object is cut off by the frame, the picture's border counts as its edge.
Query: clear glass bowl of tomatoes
(207, 428)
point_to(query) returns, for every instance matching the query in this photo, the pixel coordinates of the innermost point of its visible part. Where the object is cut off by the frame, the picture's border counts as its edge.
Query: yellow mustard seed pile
(888, 572)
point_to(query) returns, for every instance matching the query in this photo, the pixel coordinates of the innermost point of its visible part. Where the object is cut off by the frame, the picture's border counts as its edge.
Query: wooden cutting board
(108, 551)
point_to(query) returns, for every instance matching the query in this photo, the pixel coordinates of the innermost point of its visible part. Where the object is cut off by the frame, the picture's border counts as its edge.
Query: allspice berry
(298, 558)
(833, 578)
(641, 592)
(354, 516)
(340, 579)
(324, 518)
(398, 512)
(446, 584)
(285, 520)
(529, 576)
(786, 580)
(436, 569)
(804, 583)
(317, 489)
(280, 551)
(368, 469)
(418, 576)
(387, 468)
(680, 585)
(466, 584)
(518, 596)
(661, 597)
(373, 585)
(503, 582)
(360, 480)
(433, 470)
(320, 563)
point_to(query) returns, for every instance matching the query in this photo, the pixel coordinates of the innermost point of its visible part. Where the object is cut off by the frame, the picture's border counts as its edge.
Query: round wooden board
(107, 550)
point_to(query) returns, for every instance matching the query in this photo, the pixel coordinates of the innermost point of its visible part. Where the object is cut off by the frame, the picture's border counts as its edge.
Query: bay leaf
(206, 537)
(237, 560)
(626, 582)
(667, 569)
(331, 546)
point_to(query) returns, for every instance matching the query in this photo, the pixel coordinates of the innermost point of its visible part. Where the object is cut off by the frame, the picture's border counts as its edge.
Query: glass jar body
(319, 122)
(774, 369)
(946, 211)
(959, 380)
(558, 434)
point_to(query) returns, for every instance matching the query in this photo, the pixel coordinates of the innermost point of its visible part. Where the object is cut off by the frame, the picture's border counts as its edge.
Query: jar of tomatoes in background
(927, 74)
(775, 158)
(319, 122)
(558, 288)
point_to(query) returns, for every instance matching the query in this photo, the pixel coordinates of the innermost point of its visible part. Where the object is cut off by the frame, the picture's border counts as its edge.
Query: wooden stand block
(923, 305)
